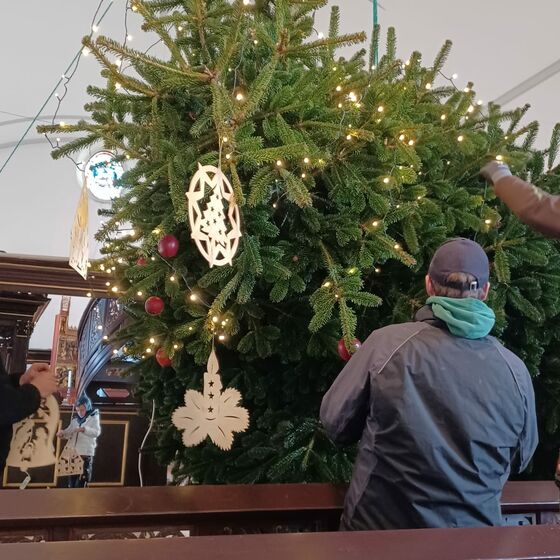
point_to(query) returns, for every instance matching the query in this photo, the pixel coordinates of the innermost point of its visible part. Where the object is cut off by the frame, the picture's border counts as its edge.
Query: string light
(460, 138)
(88, 294)
(321, 35)
(95, 28)
(225, 139)
(306, 160)
(443, 117)
(470, 109)
(62, 124)
(467, 89)
(107, 284)
(397, 247)
(338, 88)
(134, 8)
(279, 163)
(455, 76)
(119, 260)
(303, 175)
(139, 293)
(375, 223)
(377, 270)
(411, 142)
(428, 86)
(487, 222)
(352, 96)
(340, 105)
(480, 102)
(99, 327)
(327, 285)
(105, 337)
(153, 258)
(401, 137)
(380, 109)
(152, 340)
(175, 347)
(228, 156)
(148, 350)
(386, 180)
(172, 278)
(246, 2)
(240, 97)
(115, 351)
(193, 297)
(114, 289)
(353, 271)
(86, 51)
(118, 62)
(129, 37)
(221, 337)
(349, 137)
(499, 158)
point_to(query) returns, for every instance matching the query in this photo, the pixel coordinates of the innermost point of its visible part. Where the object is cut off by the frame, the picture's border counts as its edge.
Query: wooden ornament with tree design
(215, 228)
(214, 413)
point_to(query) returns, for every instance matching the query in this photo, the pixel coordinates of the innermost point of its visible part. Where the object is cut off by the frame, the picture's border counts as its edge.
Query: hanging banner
(79, 244)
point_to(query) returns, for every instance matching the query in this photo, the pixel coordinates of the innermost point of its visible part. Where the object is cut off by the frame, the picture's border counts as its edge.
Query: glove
(494, 171)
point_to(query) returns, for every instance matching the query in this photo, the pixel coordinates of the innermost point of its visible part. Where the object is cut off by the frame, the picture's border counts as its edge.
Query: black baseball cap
(460, 255)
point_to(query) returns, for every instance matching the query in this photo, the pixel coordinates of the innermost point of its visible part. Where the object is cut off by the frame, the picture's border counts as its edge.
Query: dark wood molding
(36, 355)
(48, 275)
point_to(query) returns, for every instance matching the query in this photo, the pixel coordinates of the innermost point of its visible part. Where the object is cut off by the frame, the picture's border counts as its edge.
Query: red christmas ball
(168, 246)
(154, 305)
(343, 352)
(162, 358)
(141, 261)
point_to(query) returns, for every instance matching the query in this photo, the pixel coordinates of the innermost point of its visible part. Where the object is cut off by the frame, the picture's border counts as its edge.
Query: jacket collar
(426, 315)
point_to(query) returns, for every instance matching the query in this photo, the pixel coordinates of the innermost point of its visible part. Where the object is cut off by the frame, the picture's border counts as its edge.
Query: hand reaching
(33, 372)
(494, 170)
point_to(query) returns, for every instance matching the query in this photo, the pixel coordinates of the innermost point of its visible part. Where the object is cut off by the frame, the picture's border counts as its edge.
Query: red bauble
(154, 305)
(162, 358)
(168, 246)
(343, 353)
(141, 261)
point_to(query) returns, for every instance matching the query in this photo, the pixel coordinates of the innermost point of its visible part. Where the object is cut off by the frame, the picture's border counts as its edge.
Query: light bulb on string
(455, 76)
(152, 340)
(95, 28)
(460, 138)
(193, 297)
(386, 180)
(139, 293)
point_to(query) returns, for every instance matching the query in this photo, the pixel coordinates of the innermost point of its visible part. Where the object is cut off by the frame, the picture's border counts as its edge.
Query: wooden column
(18, 314)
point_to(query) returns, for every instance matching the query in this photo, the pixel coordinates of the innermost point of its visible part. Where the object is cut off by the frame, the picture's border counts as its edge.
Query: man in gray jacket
(442, 411)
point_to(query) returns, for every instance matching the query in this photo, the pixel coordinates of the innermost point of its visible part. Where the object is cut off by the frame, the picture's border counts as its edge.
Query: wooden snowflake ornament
(215, 235)
(215, 413)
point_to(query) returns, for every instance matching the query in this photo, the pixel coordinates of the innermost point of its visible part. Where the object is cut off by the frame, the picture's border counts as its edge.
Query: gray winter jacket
(441, 421)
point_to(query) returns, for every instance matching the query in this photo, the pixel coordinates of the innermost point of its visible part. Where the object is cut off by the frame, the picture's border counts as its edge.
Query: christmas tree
(348, 173)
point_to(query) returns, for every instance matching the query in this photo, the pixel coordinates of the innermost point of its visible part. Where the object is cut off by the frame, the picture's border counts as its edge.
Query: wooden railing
(511, 543)
(104, 513)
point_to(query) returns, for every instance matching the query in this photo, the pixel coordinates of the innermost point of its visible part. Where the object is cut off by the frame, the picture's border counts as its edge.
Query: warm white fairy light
(377, 270)
(240, 97)
(470, 109)
(225, 139)
(467, 89)
(107, 284)
(152, 340)
(340, 105)
(428, 86)
(172, 278)
(228, 156)
(95, 28)
(306, 160)
(386, 180)
(193, 297)
(487, 222)
(279, 163)
(88, 294)
(86, 51)
(148, 350)
(352, 96)
(119, 260)
(443, 117)
(180, 28)
(134, 8)
(402, 137)
(411, 142)
(303, 175)
(115, 351)
(327, 285)
(99, 327)
(114, 289)
(215, 319)
(338, 88)
(397, 247)
(175, 347)
(221, 337)
(348, 137)
(455, 76)
(129, 37)
(460, 138)
(321, 35)
(375, 223)
(139, 293)
(499, 158)
(380, 109)
(105, 337)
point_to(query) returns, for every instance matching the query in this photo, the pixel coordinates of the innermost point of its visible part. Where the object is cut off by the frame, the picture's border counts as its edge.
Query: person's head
(83, 406)
(459, 269)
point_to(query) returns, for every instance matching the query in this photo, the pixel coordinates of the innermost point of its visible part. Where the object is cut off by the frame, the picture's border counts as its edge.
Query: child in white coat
(82, 434)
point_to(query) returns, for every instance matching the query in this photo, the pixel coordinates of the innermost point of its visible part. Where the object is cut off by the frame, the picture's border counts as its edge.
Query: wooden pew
(115, 513)
(535, 542)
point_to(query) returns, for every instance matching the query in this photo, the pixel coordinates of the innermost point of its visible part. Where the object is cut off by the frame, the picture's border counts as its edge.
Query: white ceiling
(497, 44)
